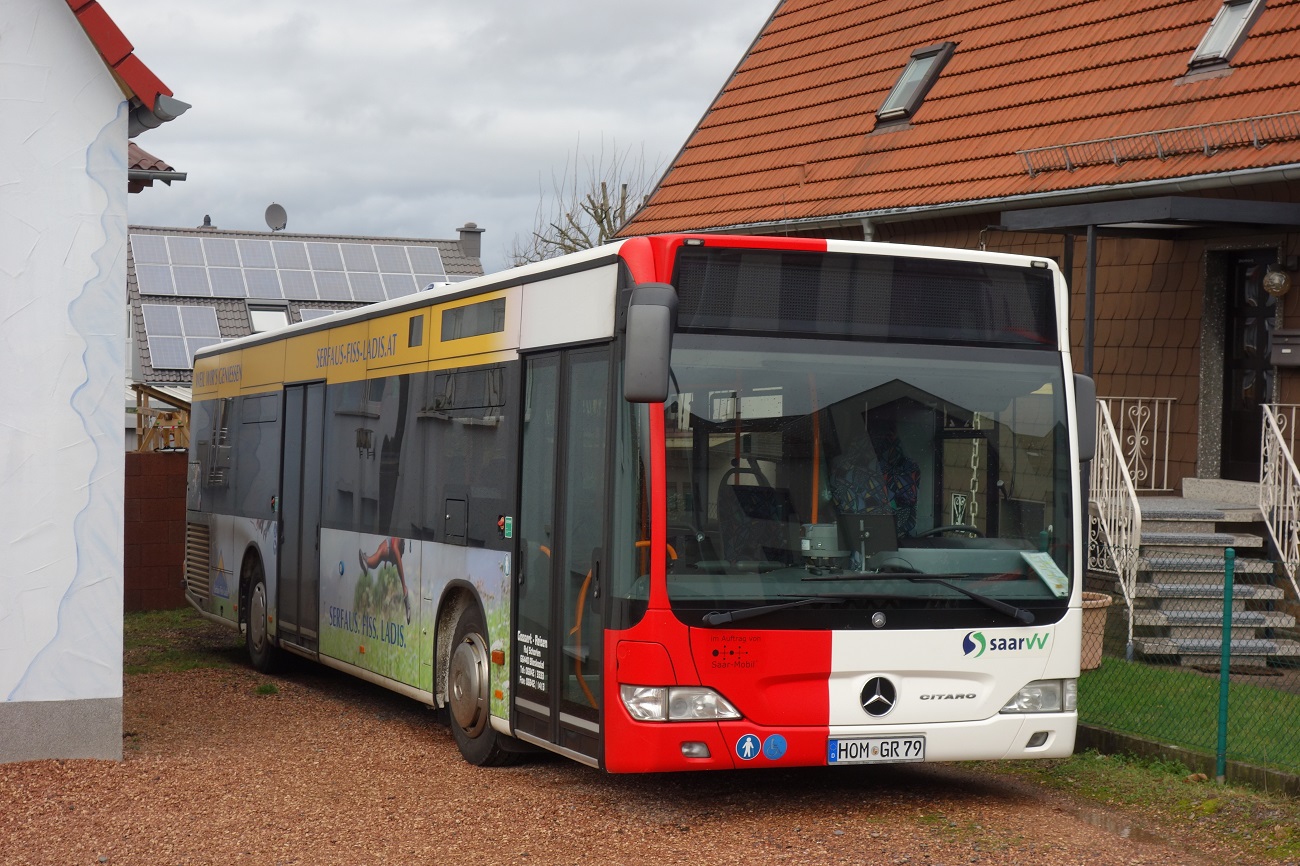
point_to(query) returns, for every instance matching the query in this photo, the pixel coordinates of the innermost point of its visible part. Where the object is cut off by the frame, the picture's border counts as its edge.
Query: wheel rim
(468, 685)
(257, 617)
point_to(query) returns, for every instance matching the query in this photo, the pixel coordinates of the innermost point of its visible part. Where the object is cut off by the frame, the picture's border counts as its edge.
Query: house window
(1228, 30)
(918, 77)
(267, 317)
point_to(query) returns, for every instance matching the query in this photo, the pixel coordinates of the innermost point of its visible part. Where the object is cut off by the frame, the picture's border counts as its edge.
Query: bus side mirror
(1085, 401)
(651, 314)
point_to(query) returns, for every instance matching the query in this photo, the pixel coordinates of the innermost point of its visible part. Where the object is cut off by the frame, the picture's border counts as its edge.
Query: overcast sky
(408, 118)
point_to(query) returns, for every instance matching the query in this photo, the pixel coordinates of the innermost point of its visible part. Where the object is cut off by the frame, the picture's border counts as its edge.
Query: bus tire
(262, 651)
(469, 698)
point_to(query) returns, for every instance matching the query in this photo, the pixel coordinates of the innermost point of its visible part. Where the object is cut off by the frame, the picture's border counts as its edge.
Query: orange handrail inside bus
(576, 631)
(672, 554)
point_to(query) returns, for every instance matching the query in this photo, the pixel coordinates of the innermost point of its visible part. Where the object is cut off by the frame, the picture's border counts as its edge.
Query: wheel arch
(252, 555)
(458, 596)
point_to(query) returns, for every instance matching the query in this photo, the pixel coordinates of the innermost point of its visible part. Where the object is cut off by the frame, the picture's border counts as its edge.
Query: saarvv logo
(975, 644)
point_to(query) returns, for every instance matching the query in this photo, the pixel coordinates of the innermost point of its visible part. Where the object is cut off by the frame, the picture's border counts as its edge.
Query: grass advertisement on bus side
(369, 597)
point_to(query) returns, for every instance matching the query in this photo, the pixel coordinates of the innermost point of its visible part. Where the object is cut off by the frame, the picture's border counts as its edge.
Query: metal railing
(1116, 525)
(1143, 426)
(1279, 484)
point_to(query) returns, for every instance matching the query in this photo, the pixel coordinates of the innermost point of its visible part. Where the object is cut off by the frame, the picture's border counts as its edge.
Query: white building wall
(63, 137)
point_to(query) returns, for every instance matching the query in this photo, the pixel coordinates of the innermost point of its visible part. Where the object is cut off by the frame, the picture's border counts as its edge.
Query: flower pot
(1094, 629)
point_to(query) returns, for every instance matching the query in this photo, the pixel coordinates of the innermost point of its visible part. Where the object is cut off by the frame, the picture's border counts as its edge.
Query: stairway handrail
(1279, 489)
(1114, 498)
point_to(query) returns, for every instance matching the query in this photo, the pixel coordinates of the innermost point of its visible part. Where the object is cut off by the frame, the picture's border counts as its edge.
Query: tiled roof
(139, 158)
(118, 52)
(792, 135)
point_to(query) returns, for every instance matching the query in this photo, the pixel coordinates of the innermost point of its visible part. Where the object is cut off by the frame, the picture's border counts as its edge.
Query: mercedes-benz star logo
(878, 696)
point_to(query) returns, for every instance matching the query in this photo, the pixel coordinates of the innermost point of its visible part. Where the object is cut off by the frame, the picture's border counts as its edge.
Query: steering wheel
(951, 527)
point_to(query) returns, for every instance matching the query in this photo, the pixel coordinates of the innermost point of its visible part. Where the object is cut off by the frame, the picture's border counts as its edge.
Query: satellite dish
(276, 218)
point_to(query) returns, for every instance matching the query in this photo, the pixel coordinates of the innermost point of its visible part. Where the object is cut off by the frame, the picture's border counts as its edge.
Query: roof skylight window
(918, 77)
(267, 318)
(1228, 30)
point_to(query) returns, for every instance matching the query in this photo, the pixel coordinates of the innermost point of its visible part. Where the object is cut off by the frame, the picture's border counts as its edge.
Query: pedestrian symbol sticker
(774, 747)
(747, 747)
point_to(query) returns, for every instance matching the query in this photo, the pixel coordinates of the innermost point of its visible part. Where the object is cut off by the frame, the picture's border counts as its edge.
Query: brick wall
(155, 529)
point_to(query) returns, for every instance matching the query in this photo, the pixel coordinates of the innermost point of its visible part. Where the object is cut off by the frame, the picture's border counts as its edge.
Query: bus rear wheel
(469, 699)
(262, 651)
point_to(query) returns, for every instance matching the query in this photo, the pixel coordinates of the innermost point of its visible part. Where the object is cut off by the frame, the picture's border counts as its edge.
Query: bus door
(297, 603)
(559, 633)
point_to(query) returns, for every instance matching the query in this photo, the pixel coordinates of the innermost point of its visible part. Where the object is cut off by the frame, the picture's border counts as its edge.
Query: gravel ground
(332, 770)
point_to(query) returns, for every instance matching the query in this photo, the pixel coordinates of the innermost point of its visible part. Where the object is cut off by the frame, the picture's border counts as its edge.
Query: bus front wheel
(261, 650)
(469, 698)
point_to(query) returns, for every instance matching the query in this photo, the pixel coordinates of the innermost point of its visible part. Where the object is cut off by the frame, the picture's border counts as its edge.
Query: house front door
(1250, 316)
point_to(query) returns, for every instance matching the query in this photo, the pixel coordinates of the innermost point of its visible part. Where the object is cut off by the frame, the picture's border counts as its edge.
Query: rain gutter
(1190, 183)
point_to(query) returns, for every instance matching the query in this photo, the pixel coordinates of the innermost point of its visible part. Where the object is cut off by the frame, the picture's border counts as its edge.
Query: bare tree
(588, 204)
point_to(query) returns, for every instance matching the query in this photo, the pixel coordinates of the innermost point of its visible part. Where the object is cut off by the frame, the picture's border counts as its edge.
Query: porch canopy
(1162, 218)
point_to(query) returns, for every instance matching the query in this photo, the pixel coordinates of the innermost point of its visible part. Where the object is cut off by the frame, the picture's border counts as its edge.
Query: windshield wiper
(718, 617)
(1019, 614)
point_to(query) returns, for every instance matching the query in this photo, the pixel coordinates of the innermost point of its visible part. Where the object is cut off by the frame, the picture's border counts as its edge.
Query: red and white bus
(676, 503)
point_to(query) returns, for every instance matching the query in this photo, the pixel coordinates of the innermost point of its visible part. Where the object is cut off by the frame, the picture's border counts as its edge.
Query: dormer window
(1228, 30)
(918, 77)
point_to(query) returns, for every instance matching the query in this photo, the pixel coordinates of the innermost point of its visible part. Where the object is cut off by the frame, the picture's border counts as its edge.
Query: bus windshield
(815, 483)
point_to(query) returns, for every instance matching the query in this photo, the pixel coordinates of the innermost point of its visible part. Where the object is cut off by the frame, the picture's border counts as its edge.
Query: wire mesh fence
(1154, 655)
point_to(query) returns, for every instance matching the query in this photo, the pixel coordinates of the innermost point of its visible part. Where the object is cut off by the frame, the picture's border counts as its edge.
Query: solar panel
(154, 280)
(256, 253)
(227, 282)
(221, 252)
(306, 314)
(224, 267)
(392, 259)
(298, 285)
(193, 344)
(163, 320)
(185, 251)
(366, 287)
(359, 257)
(332, 286)
(291, 255)
(149, 250)
(199, 322)
(325, 257)
(191, 281)
(426, 260)
(397, 285)
(169, 353)
(176, 332)
(263, 284)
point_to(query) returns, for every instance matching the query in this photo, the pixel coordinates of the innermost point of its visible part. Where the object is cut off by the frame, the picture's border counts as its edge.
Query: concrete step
(1162, 524)
(1220, 490)
(1179, 508)
(1260, 647)
(1184, 618)
(1187, 562)
(1215, 541)
(1206, 590)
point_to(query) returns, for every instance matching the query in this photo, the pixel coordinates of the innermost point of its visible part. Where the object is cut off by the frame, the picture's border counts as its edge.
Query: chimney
(471, 244)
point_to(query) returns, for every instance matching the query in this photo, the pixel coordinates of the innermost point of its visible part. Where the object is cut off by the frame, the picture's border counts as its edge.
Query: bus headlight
(1045, 696)
(676, 704)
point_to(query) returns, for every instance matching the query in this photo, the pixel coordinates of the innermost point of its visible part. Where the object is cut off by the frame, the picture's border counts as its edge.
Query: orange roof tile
(117, 52)
(792, 135)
